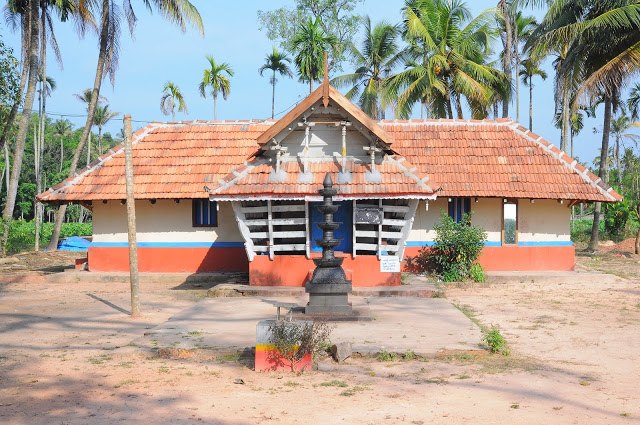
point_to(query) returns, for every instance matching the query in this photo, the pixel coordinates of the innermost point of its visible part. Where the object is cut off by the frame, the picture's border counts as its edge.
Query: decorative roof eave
(315, 197)
(317, 95)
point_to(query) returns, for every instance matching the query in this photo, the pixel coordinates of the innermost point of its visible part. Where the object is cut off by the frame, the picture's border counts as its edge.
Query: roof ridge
(449, 121)
(566, 160)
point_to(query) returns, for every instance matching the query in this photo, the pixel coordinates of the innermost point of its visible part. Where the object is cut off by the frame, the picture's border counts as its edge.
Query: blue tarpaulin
(74, 243)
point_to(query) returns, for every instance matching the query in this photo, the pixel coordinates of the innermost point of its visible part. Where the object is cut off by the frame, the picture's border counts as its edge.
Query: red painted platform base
(292, 270)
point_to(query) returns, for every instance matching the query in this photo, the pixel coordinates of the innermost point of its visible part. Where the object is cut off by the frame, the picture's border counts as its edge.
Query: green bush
(495, 341)
(456, 248)
(22, 234)
(615, 220)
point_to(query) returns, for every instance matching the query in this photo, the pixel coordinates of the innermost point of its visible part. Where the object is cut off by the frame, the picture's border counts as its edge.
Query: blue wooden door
(344, 216)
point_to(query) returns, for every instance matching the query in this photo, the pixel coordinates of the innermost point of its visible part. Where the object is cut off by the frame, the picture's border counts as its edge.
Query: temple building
(241, 195)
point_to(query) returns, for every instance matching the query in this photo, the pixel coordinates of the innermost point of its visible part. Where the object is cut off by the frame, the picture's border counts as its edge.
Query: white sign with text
(389, 264)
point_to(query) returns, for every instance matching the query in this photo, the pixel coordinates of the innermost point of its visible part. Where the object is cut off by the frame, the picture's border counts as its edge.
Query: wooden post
(131, 219)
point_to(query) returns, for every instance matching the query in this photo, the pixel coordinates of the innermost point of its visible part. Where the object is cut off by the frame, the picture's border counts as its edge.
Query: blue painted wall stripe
(497, 244)
(169, 244)
(547, 243)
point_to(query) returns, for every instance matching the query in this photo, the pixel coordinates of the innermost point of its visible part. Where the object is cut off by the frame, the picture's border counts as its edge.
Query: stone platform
(400, 324)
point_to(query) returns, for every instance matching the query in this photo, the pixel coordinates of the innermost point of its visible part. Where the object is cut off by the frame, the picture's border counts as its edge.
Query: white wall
(164, 221)
(542, 221)
(546, 220)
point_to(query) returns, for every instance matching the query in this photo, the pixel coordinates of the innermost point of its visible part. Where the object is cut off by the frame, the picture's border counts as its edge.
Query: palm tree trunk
(603, 173)
(89, 150)
(517, 61)
(273, 95)
(95, 95)
(572, 137)
(215, 111)
(566, 117)
(99, 140)
(637, 244)
(310, 85)
(506, 58)
(7, 166)
(21, 138)
(530, 105)
(23, 80)
(459, 106)
(61, 152)
(43, 108)
(617, 157)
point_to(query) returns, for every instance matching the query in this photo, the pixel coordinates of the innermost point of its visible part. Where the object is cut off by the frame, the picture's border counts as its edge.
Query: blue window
(458, 207)
(205, 213)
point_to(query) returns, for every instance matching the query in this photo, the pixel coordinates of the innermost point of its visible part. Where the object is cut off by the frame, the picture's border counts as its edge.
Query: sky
(160, 52)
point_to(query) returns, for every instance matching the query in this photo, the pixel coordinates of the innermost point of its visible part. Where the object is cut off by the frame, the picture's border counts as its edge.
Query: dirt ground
(66, 358)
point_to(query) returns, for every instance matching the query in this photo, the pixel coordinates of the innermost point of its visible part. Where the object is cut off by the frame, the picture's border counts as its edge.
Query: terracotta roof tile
(462, 158)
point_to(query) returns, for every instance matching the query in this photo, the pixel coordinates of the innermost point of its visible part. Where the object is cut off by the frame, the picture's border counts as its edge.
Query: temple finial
(325, 82)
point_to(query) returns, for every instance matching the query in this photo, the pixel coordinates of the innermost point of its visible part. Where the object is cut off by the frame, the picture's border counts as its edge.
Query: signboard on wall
(389, 264)
(368, 215)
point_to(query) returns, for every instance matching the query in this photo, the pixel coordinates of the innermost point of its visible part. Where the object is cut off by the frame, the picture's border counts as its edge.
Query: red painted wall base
(292, 270)
(169, 260)
(522, 258)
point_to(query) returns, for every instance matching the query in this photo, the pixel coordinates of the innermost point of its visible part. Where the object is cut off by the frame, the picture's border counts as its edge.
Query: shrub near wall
(22, 234)
(455, 251)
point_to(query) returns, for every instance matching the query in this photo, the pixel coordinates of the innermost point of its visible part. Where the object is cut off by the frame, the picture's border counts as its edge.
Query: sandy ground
(65, 358)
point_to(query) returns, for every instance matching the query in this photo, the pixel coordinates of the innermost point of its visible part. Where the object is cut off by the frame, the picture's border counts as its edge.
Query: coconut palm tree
(171, 95)
(275, 62)
(85, 97)
(447, 60)
(180, 12)
(620, 131)
(310, 43)
(530, 68)
(102, 116)
(374, 63)
(598, 66)
(62, 129)
(633, 102)
(215, 78)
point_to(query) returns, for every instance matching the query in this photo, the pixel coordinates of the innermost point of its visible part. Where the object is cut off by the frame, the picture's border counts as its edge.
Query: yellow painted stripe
(267, 347)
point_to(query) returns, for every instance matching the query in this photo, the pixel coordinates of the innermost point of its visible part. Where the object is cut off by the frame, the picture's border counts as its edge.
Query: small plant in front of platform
(495, 341)
(476, 273)
(293, 340)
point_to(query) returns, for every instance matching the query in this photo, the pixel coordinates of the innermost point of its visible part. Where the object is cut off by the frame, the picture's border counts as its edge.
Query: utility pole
(131, 219)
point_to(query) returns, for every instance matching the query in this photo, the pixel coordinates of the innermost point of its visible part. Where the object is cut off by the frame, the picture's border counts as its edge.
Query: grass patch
(352, 391)
(488, 362)
(386, 356)
(126, 382)
(195, 334)
(228, 358)
(334, 383)
(102, 358)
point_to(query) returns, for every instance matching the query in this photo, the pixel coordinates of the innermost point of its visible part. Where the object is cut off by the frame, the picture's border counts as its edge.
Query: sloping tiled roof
(462, 158)
(499, 158)
(170, 161)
